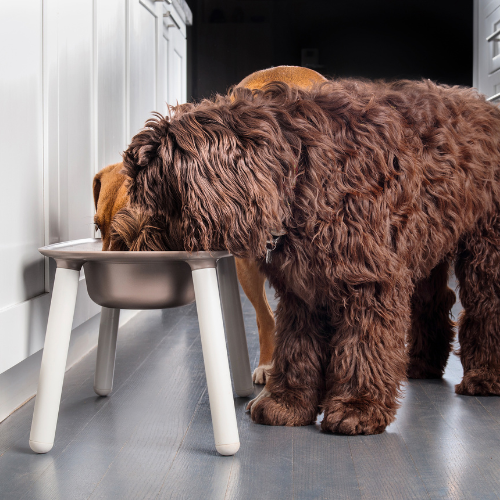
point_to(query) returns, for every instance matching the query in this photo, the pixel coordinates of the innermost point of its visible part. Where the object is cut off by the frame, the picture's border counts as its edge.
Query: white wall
(79, 79)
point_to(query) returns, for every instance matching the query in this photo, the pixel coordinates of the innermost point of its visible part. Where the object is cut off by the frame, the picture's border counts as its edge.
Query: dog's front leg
(253, 283)
(368, 360)
(295, 383)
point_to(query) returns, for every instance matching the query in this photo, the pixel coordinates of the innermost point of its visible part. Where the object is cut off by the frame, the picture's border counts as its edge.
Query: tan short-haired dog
(110, 195)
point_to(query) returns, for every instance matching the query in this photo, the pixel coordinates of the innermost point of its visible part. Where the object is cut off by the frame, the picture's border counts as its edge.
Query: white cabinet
(23, 301)
(487, 47)
(111, 80)
(175, 47)
(157, 62)
(83, 76)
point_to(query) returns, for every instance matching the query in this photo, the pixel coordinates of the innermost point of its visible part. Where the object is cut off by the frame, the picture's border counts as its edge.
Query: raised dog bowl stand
(145, 280)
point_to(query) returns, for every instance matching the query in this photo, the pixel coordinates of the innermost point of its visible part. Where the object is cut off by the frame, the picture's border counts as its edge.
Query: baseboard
(18, 384)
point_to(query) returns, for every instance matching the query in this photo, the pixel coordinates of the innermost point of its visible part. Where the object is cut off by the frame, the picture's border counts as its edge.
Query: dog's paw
(265, 393)
(355, 417)
(479, 383)
(265, 410)
(261, 373)
(419, 369)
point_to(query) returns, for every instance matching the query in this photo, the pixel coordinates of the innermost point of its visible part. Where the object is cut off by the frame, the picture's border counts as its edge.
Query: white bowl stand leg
(55, 353)
(213, 344)
(235, 327)
(106, 351)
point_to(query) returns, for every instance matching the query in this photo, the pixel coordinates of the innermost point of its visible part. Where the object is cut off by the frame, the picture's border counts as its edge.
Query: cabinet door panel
(75, 161)
(111, 81)
(22, 268)
(142, 45)
(165, 74)
(487, 65)
(177, 67)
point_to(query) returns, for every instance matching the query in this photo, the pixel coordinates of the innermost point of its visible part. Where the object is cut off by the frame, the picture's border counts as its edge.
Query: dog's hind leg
(296, 380)
(478, 272)
(431, 334)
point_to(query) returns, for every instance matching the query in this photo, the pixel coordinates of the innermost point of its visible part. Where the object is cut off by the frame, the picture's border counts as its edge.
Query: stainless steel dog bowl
(132, 280)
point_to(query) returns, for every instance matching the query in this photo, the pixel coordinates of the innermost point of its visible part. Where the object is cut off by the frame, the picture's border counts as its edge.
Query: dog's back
(296, 76)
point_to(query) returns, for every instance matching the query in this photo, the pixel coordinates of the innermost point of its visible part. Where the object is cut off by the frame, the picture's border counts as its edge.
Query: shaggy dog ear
(96, 188)
(143, 164)
(217, 169)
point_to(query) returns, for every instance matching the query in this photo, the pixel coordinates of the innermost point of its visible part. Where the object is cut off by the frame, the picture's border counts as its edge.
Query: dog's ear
(229, 162)
(97, 183)
(145, 162)
(96, 188)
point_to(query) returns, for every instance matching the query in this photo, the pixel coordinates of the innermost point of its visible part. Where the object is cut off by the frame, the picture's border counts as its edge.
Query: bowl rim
(78, 252)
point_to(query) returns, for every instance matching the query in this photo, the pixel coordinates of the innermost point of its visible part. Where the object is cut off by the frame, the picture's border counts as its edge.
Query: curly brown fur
(432, 329)
(376, 186)
(478, 271)
(135, 230)
(249, 275)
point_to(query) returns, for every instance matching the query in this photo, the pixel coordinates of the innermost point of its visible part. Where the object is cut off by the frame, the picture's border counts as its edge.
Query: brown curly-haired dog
(110, 196)
(378, 186)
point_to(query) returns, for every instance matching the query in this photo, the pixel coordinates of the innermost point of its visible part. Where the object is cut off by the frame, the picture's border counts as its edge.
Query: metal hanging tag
(270, 246)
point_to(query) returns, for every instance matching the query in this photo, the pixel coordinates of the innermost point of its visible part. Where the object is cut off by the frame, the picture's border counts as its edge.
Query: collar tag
(270, 246)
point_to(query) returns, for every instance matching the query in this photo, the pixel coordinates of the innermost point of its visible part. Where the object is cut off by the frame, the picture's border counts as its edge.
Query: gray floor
(152, 438)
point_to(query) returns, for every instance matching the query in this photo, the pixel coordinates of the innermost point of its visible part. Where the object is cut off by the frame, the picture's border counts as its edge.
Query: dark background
(386, 39)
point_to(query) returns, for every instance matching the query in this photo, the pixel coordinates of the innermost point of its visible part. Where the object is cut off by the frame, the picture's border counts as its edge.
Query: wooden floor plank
(86, 458)
(469, 422)
(197, 453)
(322, 466)
(384, 467)
(197, 450)
(263, 468)
(138, 469)
(492, 405)
(441, 458)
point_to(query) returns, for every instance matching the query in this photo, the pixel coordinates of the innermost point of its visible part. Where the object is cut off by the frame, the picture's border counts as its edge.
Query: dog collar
(271, 245)
(278, 233)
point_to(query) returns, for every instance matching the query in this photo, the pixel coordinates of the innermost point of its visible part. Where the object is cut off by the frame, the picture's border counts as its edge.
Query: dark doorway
(386, 39)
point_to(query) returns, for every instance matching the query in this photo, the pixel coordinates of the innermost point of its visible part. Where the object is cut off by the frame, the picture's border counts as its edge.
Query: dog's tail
(134, 230)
